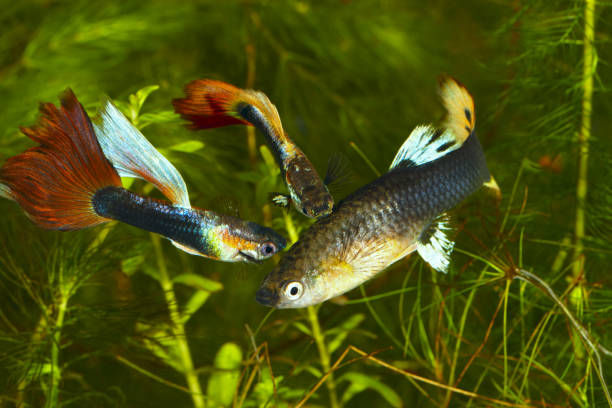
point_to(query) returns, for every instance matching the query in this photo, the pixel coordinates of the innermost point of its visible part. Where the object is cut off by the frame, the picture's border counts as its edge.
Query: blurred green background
(111, 316)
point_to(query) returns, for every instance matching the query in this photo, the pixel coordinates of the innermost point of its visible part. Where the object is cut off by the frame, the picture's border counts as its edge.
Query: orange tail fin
(55, 181)
(209, 104)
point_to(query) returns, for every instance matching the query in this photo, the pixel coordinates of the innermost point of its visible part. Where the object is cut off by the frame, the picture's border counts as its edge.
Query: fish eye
(304, 210)
(294, 290)
(267, 249)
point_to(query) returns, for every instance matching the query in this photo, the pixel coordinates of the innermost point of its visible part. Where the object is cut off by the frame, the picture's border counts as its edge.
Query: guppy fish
(67, 183)
(210, 104)
(382, 222)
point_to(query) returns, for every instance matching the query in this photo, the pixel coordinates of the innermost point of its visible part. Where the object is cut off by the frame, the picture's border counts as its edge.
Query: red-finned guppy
(209, 104)
(67, 183)
(396, 214)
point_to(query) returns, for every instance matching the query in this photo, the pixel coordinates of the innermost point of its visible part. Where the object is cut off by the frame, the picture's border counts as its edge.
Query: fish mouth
(266, 297)
(248, 258)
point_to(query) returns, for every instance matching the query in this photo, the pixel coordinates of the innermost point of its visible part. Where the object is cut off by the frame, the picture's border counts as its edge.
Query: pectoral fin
(280, 200)
(338, 172)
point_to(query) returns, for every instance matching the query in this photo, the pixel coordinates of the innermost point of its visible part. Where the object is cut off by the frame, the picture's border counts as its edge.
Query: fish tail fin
(460, 114)
(210, 104)
(134, 156)
(55, 181)
(427, 143)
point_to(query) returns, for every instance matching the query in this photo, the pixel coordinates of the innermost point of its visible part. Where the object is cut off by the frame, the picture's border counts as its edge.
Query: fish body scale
(186, 226)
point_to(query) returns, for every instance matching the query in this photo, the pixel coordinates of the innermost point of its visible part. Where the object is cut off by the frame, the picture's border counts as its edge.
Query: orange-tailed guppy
(209, 104)
(67, 183)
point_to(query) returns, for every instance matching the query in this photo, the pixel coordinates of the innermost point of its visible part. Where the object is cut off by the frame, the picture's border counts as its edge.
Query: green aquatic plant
(112, 316)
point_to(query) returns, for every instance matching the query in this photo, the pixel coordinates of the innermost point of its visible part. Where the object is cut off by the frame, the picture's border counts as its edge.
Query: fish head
(296, 284)
(246, 241)
(308, 192)
(314, 202)
(289, 292)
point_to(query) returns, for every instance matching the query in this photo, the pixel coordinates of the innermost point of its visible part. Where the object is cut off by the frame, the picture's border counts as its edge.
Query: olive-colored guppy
(400, 212)
(210, 104)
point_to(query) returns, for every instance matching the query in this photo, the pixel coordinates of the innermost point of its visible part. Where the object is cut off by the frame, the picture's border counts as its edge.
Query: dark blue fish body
(382, 222)
(425, 191)
(206, 233)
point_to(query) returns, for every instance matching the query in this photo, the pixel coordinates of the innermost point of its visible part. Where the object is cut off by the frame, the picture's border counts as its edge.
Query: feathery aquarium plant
(114, 316)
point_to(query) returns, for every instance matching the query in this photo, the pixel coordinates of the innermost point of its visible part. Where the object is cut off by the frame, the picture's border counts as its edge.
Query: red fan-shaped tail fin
(55, 181)
(210, 104)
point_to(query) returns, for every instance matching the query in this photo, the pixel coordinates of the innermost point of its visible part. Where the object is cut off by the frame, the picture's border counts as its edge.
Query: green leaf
(303, 328)
(142, 95)
(198, 282)
(263, 392)
(267, 156)
(344, 329)
(189, 146)
(131, 265)
(360, 382)
(224, 380)
(196, 301)
(165, 116)
(135, 102)
(160, 341)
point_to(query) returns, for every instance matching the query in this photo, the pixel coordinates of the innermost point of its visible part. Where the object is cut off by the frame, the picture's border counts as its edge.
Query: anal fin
(434, 246)
(185, 248)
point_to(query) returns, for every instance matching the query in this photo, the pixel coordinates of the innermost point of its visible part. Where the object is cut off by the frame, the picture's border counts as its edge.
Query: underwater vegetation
(115, 316)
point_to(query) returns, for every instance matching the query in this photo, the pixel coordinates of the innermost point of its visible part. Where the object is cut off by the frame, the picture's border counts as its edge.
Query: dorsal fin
(460, 115)
(134, 156)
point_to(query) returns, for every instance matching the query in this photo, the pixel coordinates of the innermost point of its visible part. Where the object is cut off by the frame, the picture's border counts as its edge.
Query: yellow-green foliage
(112, 316)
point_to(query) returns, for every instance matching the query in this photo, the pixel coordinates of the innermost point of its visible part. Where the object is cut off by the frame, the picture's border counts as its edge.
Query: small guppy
(210, 104)
(68, 183)
(382, 222)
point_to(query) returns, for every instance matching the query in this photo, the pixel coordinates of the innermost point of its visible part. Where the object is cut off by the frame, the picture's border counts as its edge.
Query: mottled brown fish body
(374, 227)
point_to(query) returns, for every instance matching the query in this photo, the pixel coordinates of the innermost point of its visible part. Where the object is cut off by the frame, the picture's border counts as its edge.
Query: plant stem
(291, 231)
(178, 330)
(56, 372)
(580, 329)
(316, 327)
(588, 71)
(578, 295)
(323, 354)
